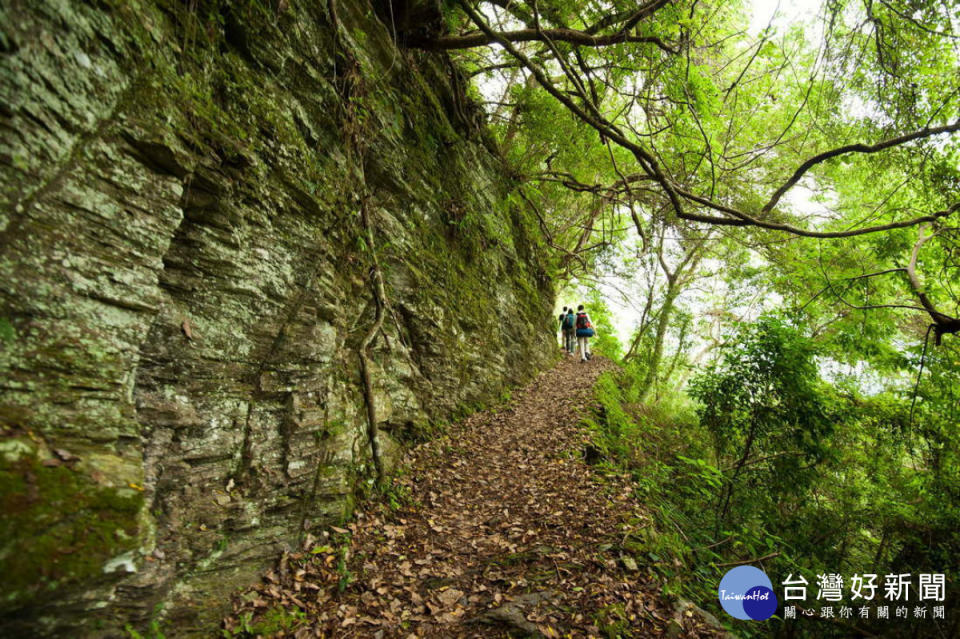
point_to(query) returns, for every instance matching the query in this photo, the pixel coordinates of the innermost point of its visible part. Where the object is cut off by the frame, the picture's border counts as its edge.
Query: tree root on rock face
(380, 299)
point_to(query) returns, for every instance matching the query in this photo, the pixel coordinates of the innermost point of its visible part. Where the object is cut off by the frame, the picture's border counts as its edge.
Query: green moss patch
(58, 527)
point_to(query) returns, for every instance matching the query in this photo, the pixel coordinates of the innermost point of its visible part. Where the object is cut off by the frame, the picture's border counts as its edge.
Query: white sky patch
(801, 201)
(866, 379)
(626, 316)
(783, 13)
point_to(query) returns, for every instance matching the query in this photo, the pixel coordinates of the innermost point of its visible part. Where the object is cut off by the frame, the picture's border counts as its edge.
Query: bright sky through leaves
(786, 12)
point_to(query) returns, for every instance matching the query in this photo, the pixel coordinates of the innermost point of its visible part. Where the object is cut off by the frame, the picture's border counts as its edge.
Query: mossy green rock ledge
(184, 282)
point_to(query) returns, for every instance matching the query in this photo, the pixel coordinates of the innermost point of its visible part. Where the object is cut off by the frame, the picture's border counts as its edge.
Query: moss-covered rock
(63, 524)
(184, 282)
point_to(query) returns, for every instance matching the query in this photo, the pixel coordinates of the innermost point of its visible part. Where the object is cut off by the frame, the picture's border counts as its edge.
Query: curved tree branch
(943, 324)
(748, 220)
(859, 147)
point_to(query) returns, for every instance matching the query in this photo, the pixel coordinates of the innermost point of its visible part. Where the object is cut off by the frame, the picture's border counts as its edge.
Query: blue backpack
(568, 322)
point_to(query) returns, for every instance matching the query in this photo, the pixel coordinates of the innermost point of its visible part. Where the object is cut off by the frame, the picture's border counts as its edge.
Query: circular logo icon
(746, 592)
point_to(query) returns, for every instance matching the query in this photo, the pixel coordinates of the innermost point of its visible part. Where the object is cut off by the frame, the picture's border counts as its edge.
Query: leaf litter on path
(505, 531)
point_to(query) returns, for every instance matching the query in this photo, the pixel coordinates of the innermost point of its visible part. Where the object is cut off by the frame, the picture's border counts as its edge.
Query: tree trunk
(664, 322)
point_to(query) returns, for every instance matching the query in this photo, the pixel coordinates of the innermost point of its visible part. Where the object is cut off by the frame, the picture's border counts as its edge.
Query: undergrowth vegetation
(762, 461)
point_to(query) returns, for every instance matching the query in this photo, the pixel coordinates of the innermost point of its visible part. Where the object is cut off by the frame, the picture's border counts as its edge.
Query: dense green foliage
(766, 419)
(774, 465)
(823, 154)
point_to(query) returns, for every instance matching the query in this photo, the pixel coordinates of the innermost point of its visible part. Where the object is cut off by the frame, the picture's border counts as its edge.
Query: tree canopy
(675, 114)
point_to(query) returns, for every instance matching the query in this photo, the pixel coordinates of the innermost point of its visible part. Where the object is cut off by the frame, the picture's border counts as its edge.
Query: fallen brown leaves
(506, 534)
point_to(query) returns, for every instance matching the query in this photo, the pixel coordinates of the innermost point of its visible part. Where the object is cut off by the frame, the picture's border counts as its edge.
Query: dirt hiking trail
(502, 530)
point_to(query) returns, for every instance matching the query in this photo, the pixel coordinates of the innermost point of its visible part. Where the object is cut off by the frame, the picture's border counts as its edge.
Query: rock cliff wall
(186, 279)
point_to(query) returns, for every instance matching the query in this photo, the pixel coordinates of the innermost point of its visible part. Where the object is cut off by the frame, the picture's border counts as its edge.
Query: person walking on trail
(569, 320)
(584, 330)
(563, 337)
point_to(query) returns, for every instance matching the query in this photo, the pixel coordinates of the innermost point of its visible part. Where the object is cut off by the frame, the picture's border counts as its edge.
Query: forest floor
(499, 528)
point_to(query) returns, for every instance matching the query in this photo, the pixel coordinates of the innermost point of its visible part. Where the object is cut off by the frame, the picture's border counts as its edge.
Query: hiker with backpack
(567, 324)
(584, 330)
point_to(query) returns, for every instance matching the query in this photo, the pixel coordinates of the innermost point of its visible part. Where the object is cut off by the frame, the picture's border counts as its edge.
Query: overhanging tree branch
(570, 36)
(748, 220)
(651, 167)
(646, 160)
(855, 148)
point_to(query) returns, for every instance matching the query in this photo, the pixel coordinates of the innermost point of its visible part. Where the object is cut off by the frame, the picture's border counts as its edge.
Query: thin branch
(748, 561)
(943, 324)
